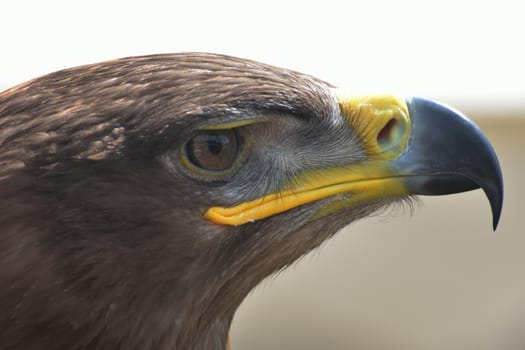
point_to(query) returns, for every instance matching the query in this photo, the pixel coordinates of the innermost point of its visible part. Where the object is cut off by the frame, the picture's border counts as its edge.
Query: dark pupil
(215, 143)
(213, 150)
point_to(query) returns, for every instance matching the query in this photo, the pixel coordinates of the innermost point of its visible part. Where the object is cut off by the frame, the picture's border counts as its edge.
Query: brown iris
(213, 150)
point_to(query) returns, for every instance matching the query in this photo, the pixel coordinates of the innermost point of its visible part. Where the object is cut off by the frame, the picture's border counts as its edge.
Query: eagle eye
(213, 150)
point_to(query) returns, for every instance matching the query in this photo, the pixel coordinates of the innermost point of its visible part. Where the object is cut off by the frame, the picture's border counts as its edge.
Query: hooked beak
(416, 146)
(447, 153)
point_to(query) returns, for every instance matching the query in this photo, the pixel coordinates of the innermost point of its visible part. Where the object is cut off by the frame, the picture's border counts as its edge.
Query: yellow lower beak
(363, 184)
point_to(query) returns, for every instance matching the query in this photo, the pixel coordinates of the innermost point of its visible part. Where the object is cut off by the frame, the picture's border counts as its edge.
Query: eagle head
(141, 199)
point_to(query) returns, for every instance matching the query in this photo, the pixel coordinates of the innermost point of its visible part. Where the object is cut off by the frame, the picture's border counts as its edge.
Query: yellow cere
(383, 125)
(381, 121)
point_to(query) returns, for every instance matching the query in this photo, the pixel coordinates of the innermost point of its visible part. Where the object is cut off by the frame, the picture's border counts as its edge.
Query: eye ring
(212, 151)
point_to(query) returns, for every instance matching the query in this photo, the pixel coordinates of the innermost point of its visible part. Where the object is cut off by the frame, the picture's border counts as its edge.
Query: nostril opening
(385, 136)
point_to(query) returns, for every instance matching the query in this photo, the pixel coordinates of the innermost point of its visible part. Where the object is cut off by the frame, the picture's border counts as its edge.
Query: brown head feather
(103, 244)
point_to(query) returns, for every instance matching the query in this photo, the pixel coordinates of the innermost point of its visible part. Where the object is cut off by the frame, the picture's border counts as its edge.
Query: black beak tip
(495, 196)
(453, 153)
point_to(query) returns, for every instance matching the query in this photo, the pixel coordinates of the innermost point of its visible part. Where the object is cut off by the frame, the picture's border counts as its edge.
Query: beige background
(439, 280)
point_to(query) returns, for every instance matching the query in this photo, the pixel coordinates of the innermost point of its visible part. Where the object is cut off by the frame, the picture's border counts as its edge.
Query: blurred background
(439, 279)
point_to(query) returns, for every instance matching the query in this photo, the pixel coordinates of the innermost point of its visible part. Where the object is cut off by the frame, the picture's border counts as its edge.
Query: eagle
(142, 199)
